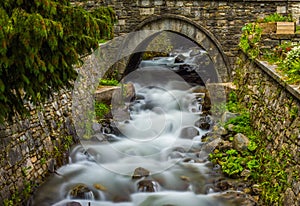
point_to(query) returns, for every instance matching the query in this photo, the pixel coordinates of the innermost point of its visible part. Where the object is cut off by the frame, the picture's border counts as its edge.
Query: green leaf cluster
(41, 41)
(109, 82)
(250, 39)
(101, 109)
(291, 65)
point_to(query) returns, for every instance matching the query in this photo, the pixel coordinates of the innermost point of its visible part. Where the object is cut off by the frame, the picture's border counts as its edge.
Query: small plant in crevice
(101, 110)
(250, 39)
(109, 82)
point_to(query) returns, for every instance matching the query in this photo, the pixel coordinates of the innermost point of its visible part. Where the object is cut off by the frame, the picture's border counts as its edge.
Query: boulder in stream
(81, 191)
(147, 186)
(140, 173)
(73, 204)
(188, 133)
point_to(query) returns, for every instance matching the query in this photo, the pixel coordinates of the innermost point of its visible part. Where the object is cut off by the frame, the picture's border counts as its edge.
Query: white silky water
(156, 159)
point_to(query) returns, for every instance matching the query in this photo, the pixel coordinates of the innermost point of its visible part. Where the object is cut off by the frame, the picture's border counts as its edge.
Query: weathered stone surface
(227, 116)
(240, 142)
(188, 133)
(28, 144)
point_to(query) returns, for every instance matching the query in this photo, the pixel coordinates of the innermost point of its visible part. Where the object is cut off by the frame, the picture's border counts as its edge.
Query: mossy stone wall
(275, 111)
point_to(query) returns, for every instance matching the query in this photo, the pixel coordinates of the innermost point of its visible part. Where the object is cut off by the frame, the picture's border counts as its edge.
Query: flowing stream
(157, 157)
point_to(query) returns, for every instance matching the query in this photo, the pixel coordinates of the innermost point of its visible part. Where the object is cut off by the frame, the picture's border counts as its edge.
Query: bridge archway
(184, 27)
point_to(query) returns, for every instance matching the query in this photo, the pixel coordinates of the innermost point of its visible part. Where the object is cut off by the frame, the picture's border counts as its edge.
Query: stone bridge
(215, 25)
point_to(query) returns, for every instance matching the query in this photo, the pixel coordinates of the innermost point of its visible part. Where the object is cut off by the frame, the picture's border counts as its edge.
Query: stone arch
(185, 27)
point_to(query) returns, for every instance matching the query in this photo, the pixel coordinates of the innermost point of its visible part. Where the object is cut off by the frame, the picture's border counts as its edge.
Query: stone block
(146, 11)
(281, 9)
(158, 3)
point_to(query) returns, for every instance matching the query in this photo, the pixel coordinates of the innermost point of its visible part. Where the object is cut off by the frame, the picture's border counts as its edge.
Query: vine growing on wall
(41, 41)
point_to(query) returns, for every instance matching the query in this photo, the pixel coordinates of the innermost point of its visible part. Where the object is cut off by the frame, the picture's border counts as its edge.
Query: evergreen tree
(40, 42)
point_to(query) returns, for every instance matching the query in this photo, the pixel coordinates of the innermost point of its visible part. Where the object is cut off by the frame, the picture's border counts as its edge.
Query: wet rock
(185, 178)
(96, 127)
(147, 186)
(204, 123)
(129, 92)
(238, 198)
(223, 185)
(227, 116)
(73, 204)
(240, 142)
(179, 59)
(206, 105)
(98, 137)
(81, 191)
(177, 152)
(224, 145)
(208, 148)
(188, 133)
(210, 136)
(220, 130)
(140, 173)
(195, 52)
(100, 187)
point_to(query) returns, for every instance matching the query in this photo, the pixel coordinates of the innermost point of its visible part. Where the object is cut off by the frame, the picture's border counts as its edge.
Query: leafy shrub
(250, 39)
(41, 41)
(291, 65)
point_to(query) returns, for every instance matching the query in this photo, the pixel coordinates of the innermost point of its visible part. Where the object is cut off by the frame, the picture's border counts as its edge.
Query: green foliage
(241, 123)
(294, 112)
(232, 104)
(41, 41)
(14, 200)
(278, 53)
(67, 142)
(101, 110)
(109, 82)
(267, 169)
(250, 39)
(17, 198)
(297, 29)
(291, 65)
(275, 17)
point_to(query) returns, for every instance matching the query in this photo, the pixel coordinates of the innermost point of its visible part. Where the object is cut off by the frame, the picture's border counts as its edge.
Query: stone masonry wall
(224, 19)
(275, 111)
(32, 147)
